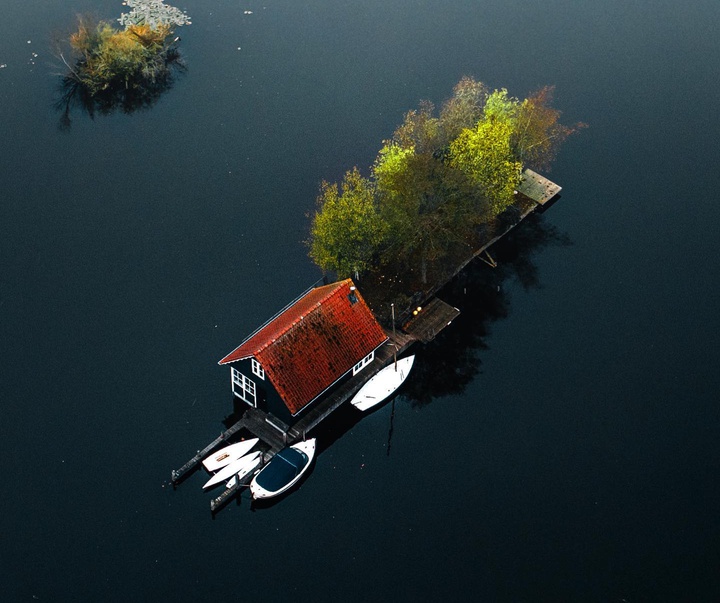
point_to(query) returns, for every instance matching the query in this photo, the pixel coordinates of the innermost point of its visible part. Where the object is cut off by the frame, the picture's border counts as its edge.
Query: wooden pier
(276, 435)
(537, 191)
(537, 187)
(178, 474)
(267, 428)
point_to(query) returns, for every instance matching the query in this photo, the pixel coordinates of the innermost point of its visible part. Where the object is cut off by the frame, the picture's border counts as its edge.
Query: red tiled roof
(313, 343)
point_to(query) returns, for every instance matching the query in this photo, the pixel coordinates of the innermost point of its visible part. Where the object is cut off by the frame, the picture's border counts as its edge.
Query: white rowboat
(225, 456)
(381, 386)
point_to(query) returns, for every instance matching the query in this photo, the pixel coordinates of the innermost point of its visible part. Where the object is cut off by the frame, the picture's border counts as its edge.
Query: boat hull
(223, 457)
(237, 466)
(260, 491)
(249, 468)
(383, 385)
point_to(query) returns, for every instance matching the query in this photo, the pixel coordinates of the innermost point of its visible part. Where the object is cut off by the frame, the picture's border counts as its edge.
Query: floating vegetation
(153, 13)
(110, 68)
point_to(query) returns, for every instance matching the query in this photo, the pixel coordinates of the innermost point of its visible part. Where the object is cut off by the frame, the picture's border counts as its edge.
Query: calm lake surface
(560, 441)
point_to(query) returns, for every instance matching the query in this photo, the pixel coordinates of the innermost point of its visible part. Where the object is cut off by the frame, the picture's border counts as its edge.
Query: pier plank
(537, 187)
(431, 319)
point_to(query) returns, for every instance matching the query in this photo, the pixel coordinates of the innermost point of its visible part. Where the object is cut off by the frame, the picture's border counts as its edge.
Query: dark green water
(566, 446)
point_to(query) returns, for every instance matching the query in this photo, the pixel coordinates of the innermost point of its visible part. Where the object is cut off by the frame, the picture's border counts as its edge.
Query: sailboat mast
(392, 311)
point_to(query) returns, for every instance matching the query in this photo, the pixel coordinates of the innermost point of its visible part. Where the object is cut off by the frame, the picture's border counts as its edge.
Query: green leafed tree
(408, 185)
(485, 153)
(347, 229)
(428, 205)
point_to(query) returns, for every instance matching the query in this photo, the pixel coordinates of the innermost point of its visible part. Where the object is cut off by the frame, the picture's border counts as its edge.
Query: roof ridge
(333, 288)
(323, 293)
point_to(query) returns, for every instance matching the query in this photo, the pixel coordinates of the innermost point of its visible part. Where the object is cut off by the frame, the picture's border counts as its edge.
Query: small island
(442, 190)
(127, 68)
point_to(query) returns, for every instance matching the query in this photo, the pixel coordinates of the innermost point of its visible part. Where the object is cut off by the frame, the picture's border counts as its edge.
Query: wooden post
(489, 259)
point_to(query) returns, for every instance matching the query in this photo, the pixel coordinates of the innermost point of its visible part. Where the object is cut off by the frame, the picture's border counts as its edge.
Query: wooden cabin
(311, 346)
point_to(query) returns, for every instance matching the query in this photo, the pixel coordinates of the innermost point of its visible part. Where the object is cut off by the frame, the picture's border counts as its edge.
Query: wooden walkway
(178, 474)
(430, 320)
(270, 430)
(542, 191)
(434, 316)
(276, 435)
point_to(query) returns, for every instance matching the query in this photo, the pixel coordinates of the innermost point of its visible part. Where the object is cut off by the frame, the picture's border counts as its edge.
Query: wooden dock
(430, 320)
(536, 191)
(276, 435)
(419, 324)
(270, 430)
(482, 253)
(229, 493)
(537, 187)
(178, 474)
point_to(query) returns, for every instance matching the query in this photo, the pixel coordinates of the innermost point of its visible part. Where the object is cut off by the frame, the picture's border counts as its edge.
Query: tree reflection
(449, 363)
(127, 69)
(74, 95)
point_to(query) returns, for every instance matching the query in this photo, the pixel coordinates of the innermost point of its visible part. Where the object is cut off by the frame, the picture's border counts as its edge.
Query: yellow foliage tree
(347, 229)
(438, 182)
(109, 57)
(485, 154)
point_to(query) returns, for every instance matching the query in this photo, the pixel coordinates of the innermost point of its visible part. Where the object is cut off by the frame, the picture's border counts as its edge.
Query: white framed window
(243, 387)
(257, 369)
(364, 362)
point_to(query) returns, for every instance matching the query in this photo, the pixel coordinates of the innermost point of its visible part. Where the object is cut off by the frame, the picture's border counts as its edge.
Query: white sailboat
(381, 386)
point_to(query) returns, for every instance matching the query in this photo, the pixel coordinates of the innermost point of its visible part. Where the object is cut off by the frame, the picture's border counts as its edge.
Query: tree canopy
(437, 181)
(105, 58)
(485, 154)
(347, 229)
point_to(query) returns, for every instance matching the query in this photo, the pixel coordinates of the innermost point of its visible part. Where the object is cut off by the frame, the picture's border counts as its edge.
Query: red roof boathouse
(326, 335)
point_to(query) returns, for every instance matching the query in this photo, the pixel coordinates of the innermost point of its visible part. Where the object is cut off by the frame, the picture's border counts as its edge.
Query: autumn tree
(464, 109)
(427, 204)
(437, 181)
(106, 59)
(347, 229)
(538, 134)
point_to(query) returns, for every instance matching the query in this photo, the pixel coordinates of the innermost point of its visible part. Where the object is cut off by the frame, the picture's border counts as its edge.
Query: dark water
(564, 443)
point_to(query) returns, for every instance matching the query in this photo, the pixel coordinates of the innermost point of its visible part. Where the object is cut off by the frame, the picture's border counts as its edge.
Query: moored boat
(284, 470)
(248, 468)
(238, 466)
(220, 458)
(383, 385)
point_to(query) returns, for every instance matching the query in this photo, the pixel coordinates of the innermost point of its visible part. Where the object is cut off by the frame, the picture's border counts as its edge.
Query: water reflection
(449, 363)
(126, 99)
